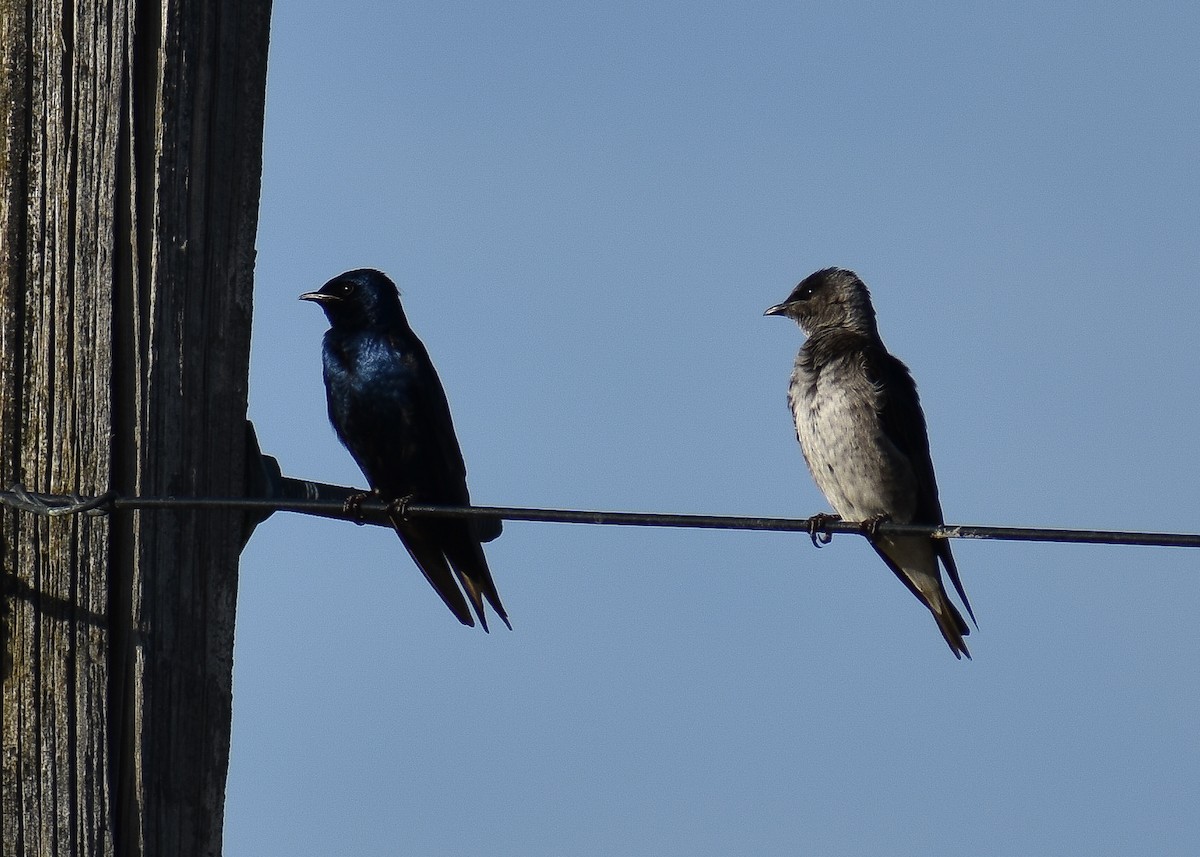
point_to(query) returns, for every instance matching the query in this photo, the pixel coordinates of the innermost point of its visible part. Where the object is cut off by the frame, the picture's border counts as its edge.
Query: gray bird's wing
(903, 422)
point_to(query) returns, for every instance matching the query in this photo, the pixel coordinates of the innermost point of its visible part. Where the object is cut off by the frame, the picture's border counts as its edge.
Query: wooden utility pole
(130, 155)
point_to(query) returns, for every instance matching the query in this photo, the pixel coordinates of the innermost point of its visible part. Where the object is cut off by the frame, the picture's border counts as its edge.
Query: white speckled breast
(856, 466)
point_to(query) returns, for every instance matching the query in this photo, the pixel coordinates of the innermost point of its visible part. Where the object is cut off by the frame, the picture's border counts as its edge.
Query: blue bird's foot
(352, 507)
(817, 530)
(398, 508)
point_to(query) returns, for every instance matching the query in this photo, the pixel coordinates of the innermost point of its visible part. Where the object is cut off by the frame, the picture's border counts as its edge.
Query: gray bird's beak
(778, 309)
(318, 297)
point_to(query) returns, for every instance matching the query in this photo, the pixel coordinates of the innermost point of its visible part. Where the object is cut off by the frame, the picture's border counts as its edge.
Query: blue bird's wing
(446, 464)
(443, 479)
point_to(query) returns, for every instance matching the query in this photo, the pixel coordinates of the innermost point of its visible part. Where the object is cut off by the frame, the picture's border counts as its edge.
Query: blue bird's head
(359, 299)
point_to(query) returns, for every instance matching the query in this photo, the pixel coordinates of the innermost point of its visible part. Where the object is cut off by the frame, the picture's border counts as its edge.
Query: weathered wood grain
(129, 178)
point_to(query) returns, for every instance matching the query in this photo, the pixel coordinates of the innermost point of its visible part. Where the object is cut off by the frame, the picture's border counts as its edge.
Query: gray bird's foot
(352, 507)
(398, 508)
(818, 531)
(871, 526)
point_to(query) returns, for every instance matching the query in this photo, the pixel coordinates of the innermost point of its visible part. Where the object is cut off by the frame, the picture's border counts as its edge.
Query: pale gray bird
(863, 434)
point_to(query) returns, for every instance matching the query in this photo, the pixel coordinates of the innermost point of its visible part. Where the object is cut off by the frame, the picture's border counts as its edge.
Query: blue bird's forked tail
(447, 563)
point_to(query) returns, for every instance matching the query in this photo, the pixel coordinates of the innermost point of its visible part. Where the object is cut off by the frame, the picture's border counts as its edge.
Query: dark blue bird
(388, 407)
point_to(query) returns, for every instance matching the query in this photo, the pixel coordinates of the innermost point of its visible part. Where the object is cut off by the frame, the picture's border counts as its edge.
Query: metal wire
(330, 501)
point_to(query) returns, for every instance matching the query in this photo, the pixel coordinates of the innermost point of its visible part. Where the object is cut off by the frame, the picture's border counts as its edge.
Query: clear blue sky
(587, 210)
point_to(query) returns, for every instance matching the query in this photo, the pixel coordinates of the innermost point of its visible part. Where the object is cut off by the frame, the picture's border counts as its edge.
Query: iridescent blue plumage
(388, 407)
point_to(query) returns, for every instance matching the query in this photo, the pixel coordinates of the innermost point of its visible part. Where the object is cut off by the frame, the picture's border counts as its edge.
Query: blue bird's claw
(352, 507)
(398, 508)
(818, 530)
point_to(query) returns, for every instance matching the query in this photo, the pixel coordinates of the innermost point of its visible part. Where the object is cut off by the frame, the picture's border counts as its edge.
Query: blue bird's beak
(778, 309)
(319, 297)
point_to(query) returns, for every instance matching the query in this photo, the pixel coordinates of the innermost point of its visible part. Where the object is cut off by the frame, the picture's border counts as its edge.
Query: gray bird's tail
(913, 561)
(950, 623)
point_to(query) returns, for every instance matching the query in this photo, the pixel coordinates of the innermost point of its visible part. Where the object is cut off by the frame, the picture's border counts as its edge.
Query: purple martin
(388, 408)
(863, 435)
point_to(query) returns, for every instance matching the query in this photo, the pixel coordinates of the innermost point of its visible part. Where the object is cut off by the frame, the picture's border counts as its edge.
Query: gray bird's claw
(352, 507)
(818, 530)
(870, 527)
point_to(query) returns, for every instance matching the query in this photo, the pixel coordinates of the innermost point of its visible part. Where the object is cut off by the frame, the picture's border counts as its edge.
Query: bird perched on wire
(863, 434)
(388, 407)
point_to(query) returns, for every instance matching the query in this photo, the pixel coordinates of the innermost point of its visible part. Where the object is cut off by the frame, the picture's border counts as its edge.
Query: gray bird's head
(359, 299)
(830, 299)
